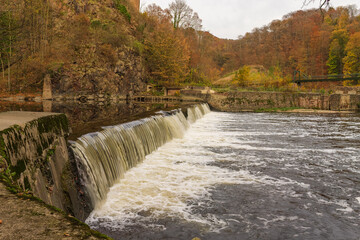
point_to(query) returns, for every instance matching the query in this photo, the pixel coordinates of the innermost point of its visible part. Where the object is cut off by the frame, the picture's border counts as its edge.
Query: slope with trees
(313, 42)
(104, 46)
(107, 46)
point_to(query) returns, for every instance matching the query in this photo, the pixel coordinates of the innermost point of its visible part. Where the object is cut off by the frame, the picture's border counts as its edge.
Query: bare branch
(183, 16)
(323, 3)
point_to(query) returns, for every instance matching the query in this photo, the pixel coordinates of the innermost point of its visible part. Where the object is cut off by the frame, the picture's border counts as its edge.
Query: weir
(103, 157)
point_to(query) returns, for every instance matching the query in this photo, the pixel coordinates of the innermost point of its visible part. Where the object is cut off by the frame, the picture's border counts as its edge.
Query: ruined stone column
(136, 4)
(47, 91)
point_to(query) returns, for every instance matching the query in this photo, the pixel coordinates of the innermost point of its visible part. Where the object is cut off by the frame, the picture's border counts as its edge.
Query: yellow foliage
(167, 57)
(352, 59)
(250, 76)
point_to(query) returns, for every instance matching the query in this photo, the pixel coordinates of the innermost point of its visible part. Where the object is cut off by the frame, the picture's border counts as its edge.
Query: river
(244, 176)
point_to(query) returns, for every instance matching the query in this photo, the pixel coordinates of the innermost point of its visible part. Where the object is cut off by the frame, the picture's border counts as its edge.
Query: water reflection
(86, 117)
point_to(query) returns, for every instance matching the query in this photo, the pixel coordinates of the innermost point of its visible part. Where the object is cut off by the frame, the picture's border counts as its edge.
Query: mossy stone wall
(252, 101)
(37, 159)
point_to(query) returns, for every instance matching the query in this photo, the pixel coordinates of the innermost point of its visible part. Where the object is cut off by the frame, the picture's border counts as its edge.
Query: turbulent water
(103, 157)
(243, 176)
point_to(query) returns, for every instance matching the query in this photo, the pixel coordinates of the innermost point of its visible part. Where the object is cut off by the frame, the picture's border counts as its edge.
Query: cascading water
(103, 157)
(195, 113)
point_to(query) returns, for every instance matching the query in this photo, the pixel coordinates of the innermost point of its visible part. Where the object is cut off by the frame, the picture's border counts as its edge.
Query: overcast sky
(231, 18)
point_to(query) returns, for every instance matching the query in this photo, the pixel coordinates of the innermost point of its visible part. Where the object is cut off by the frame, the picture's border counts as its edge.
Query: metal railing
(300, 77)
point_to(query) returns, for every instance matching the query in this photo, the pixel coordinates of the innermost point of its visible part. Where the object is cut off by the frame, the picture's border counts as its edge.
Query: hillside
(313, 42)
(108, 47)
(84, 45)
(95, 46)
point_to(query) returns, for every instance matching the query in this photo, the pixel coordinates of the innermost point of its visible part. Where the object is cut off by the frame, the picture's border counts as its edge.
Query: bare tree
(157, 12)
(183, 16)
(323, 4)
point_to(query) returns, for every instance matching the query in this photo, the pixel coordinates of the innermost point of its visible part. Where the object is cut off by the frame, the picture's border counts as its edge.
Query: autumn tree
(7, 38)
(157, 15)
(340, 37)
(302, 40)
(167, 58)
(352, 59)
(4, 41)
(241, 77)
(165, 49)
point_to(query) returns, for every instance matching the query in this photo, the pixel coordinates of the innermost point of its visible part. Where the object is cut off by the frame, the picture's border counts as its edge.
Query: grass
(285, 109)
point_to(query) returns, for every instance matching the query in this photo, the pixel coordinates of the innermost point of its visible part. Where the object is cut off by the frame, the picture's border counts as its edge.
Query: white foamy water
(243, 176)
(168, 180)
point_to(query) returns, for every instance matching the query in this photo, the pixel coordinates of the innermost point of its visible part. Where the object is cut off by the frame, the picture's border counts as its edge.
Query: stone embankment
(252, 101)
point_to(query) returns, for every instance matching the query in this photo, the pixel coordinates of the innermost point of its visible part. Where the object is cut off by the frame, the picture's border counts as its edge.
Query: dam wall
(34, 158)
(103, 157)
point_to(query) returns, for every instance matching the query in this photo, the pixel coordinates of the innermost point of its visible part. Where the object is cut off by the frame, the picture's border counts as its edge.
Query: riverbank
(301, 110)
(25, 218)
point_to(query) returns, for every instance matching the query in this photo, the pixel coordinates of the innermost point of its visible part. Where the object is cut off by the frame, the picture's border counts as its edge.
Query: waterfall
(103, 157)
(196, 112)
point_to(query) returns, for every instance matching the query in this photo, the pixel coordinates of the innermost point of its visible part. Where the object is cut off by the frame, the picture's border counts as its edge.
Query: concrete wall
(36, 156)
(250, 101)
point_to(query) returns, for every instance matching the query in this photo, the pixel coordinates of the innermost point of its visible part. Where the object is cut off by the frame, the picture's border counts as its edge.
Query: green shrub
(122, 9)
(139, 47)
(96, 23)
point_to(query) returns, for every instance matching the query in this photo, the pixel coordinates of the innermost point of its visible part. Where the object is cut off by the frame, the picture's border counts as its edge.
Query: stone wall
(250, 101)
(37, 160)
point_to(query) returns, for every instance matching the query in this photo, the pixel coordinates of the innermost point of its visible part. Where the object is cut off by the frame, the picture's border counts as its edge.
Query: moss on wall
(32, 160)
(251, 101)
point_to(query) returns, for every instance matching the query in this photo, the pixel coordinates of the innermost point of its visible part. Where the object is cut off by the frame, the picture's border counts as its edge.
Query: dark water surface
(244, 176)
(85, 117)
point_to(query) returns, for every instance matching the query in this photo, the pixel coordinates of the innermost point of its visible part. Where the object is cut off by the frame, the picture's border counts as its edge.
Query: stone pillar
(47, 105)
(47, 92)
(345, 102)
(136, 4)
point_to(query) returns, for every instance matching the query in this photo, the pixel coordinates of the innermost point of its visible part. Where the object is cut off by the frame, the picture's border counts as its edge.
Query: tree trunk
(3, 70)
(10, 53)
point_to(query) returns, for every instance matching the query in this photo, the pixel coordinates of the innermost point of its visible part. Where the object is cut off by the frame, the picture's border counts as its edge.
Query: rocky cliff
(103, 57)
(88, 46)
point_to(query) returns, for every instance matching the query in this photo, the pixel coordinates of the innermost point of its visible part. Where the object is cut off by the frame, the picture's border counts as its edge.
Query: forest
(108, 46)
(313, 42)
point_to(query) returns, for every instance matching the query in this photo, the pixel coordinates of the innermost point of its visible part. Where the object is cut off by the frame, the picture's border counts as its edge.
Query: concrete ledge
(8, 119)
(252, 101)
(33, 149)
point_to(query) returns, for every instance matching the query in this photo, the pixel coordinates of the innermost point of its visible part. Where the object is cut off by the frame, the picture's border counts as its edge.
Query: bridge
(300, 77)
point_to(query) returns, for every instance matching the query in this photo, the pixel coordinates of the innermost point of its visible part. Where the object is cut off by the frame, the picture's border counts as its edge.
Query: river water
(244, 176)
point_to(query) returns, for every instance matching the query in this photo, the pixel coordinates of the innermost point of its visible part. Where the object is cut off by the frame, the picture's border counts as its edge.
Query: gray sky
(231, 18)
